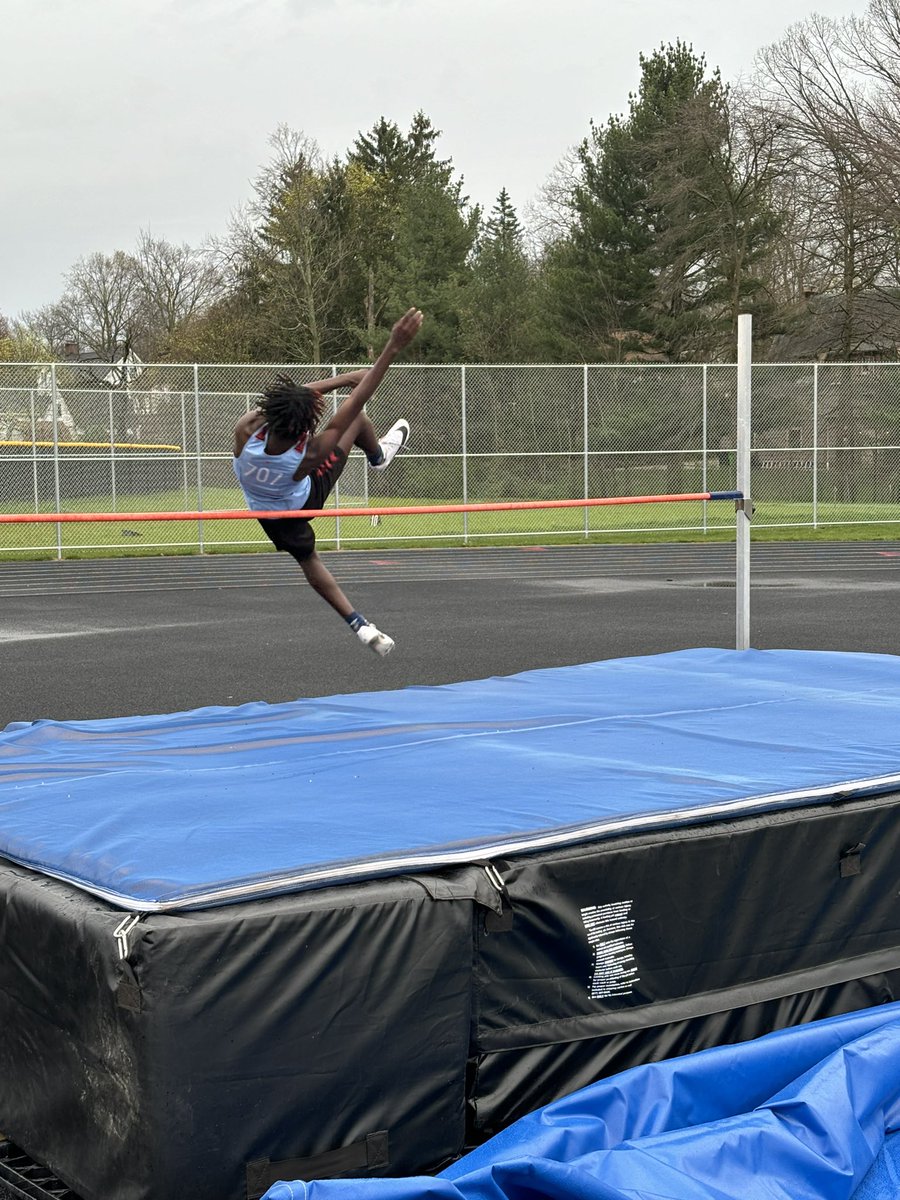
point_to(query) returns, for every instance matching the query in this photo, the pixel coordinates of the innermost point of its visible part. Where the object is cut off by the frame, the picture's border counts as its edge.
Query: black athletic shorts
(294, 535)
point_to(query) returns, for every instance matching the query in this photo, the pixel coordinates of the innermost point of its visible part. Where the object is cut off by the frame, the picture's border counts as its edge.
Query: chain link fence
(91, 437)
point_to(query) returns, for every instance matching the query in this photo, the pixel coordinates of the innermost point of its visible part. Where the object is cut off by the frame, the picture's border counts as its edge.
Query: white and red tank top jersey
(267, 480)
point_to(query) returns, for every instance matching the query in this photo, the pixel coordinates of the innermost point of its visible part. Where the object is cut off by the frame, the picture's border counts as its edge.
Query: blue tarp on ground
(221, 804)
(803, 1114)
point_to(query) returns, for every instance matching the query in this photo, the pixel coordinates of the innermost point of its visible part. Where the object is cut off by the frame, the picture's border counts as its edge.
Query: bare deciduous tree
(176, 285)
(815, 78)
(102, 303)
(549, 217)
(50, 325)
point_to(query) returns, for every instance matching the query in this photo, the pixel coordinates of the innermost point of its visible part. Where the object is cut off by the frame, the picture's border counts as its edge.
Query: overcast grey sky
(123, 115)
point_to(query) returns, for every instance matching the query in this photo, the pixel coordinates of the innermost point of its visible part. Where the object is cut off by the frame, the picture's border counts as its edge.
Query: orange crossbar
(243, 514)
(45, 445)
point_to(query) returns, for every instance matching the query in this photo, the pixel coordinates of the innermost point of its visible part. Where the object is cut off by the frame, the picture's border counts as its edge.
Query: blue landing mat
(222, 804)
(810, 1113)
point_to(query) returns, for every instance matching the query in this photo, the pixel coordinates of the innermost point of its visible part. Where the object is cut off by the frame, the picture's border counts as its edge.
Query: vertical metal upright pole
(744, 506)
(465, 463)
(54, 397)
(587, 480)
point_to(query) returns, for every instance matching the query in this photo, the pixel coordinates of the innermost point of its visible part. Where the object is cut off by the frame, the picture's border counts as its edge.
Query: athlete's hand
(406, 329)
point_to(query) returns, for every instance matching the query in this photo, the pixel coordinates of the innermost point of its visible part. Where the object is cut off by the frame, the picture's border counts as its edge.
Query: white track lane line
(9, 635)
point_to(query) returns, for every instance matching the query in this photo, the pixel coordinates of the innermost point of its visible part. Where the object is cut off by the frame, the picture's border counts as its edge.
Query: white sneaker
(395, 439)
(375, 639)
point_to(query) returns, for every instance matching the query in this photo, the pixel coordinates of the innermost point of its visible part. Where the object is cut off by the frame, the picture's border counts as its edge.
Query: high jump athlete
(282, 463)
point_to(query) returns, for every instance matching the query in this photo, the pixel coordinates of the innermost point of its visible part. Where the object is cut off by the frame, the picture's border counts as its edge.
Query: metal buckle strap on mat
(367, 1155)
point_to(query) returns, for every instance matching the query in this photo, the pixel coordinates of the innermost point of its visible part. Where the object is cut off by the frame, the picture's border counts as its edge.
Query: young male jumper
(282, 463)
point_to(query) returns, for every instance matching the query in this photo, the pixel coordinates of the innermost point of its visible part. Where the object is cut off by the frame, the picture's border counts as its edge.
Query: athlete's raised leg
(325, 585)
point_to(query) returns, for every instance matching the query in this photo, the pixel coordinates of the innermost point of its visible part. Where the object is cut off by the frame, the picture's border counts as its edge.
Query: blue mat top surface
(221, 804)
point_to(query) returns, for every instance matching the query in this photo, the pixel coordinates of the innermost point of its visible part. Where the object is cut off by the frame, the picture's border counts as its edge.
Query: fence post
(199, 462)
(112, 451)
(184, 456)
(54, 402)
(815, 433)
(704, 457)
(585, 435)
(465, 465)
(744, 506)
(34, 460)
(365, 475)
(337, 486)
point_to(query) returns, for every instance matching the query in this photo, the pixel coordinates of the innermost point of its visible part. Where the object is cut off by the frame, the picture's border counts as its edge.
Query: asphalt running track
(117, 637)
(85, 639)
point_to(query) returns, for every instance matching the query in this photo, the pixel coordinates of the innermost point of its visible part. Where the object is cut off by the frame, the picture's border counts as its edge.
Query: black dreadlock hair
(290, 409)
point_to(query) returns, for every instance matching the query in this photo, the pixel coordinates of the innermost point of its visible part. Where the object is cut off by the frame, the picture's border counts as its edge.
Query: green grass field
(672, 522)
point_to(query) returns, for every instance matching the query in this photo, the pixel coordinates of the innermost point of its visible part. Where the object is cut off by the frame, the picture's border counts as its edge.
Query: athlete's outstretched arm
(349, 380)
(324, 443)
